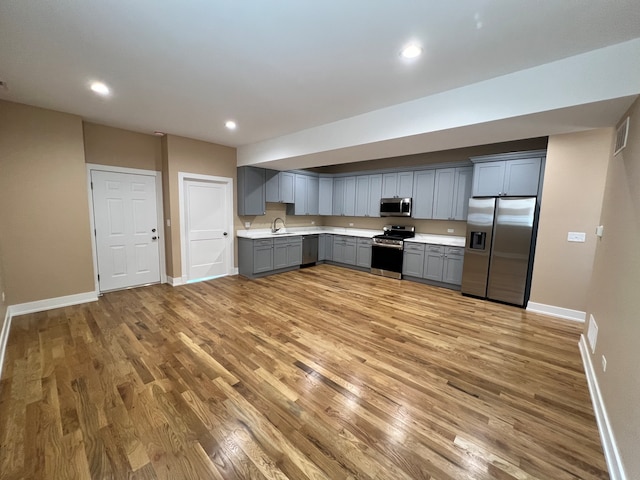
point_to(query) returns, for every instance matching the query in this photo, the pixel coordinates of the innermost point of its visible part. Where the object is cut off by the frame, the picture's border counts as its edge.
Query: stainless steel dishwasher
(309, 250)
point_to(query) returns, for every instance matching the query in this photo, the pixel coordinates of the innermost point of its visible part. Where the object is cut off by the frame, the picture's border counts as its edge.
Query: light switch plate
(576, 237)
(600, 230)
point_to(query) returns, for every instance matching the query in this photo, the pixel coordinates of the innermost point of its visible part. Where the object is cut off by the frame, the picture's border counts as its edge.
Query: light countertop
(448, 240)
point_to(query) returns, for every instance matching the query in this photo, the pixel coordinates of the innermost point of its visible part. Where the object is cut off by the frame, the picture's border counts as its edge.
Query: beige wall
(45, 237)
(571, 202)
(614, 297)
(121, 148)
(181, 154)
(275, 210)
(435, 227)
(3, 302)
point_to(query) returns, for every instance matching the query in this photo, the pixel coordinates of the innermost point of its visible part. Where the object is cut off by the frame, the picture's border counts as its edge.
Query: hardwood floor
(323, 373)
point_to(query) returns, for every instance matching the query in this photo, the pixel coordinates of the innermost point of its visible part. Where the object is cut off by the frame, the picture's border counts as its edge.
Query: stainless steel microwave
(395, 207)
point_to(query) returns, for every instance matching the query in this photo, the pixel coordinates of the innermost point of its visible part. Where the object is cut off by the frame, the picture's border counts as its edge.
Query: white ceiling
(278, 67)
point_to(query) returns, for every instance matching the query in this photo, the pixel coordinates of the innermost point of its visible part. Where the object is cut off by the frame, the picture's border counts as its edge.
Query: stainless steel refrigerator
(499, 251)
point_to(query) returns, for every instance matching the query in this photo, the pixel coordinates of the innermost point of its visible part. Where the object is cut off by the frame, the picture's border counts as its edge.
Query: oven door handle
(395, 247)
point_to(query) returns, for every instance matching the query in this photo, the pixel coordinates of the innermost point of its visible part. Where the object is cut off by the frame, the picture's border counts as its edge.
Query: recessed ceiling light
(230, 124)
(100, 88)
(411, 51)
(159, 133)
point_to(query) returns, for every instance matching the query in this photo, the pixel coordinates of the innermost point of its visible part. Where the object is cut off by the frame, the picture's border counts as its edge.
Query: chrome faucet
(273, 227)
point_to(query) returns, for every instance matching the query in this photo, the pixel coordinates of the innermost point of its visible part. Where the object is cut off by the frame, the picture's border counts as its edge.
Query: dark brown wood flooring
(323, 373)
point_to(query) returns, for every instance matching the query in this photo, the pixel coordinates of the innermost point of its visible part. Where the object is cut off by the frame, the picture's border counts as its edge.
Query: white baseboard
(51, 303)
(4, 337)
(235, 271)
(174, 282)
(609, 445)
(559, 312)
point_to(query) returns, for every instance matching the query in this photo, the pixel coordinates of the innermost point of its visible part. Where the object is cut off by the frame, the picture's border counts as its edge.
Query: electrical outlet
(576, 237)
(247, 224)
(604, 363)
(600, 230)
(168, 222)
(313, 222)
(450, 230)
(2, 297)
(350, 224)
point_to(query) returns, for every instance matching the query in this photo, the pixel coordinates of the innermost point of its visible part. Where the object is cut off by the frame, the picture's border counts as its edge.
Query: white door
(207, 224)
(125, 214)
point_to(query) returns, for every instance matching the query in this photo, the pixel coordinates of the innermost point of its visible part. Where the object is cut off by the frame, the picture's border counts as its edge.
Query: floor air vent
(621, 136)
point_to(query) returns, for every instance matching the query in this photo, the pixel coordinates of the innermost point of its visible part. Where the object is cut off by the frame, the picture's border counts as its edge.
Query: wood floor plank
(311, 374)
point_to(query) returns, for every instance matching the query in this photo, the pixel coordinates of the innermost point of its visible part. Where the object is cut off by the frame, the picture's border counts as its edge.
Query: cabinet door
(338, 196)
(287, 188)
(322, 250)
(350, 251)
(328, 245)
(452, 272)
(280, 256)
(294, 252)
(443, 194)
(262, 259)
(272, 186)
(251, 194)
(362, 196)
(405, 185)
(325, 206)
(433, 262)
(375, 194)
(488, 179)
(389, 185)
(413, 262)
(521, 177)
(424, 184)
(349, 196)
(339, 246)
(462, 192)
(313, 195)
(300, 196)
(363, 254)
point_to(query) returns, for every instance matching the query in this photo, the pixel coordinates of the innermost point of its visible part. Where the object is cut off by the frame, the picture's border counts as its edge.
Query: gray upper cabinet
(344, 196)
(451, 193)
(306, 196)
(423, 190)
(251, 191)
(515, 177)
(397, 184)
(368, 194)
(279, 186)
(325, 196)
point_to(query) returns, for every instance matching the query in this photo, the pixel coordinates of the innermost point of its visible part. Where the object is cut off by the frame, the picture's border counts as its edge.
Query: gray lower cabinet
(363, 252)
(344, 249)
(322, 247)
(261, 256)
(436, 263)
(413, 261)
(287, 252)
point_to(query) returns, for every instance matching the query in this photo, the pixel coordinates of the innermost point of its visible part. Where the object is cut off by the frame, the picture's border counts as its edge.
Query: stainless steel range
(387, 250)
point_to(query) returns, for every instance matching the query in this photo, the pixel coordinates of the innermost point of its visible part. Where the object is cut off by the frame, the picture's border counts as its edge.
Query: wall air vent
(621, 136)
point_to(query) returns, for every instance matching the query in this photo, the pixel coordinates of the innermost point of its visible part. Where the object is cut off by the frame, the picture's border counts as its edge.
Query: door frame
(159, 209)
(182, 178)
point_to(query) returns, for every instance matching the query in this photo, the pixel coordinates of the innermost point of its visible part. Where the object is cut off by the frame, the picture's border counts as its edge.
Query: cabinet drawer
(364, 241)
(414, 247)
(454, 250)
(264, 242)
(435, 248)
(287, 240)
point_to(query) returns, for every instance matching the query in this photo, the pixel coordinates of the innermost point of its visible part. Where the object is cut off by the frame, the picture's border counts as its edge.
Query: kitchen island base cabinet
(266, 256)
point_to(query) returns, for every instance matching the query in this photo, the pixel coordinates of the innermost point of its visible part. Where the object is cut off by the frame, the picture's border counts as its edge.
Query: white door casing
(126, 229)
(206, 223)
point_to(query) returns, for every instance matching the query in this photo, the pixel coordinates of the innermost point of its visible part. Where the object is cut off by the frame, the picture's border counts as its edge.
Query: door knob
(225, 234)
(153, 230)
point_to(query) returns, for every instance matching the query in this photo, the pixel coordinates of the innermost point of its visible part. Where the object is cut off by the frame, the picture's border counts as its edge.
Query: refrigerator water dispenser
(478, 240)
